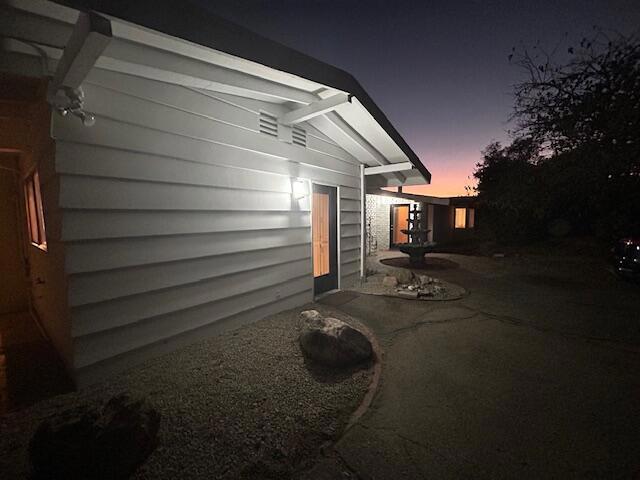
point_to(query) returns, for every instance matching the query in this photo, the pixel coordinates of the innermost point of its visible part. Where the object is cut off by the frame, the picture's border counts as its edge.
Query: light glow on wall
(299, 189)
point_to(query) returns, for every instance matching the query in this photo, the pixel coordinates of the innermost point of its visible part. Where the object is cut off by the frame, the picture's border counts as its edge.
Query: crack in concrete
(417, 325)
(611, 343)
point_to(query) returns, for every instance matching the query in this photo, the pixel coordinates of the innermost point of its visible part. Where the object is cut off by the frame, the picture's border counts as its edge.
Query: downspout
(363, 226)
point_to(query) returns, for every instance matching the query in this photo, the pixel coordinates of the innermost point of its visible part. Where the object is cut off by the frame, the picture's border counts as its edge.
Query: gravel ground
(240, 405)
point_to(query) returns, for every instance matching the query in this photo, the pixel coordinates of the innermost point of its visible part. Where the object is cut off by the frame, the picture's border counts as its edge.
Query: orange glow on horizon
(451, 173)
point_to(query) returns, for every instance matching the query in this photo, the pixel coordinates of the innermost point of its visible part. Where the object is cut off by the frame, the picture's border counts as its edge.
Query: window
(461, 218)
(35, 216)
(472, 218)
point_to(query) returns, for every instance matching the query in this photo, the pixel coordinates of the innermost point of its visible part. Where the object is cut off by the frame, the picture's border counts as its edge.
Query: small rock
(389, 281)
(332, 342)
(310, 317)
(425, 279)
(106, 444)
(408, 294)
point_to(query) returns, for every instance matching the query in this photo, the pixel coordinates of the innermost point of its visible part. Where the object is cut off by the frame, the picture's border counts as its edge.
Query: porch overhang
(186, 45)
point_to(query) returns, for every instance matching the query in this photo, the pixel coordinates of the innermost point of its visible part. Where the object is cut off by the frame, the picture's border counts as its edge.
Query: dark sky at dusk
(438, 69)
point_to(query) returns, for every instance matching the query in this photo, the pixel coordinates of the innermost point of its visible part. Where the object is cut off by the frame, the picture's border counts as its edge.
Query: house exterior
(223, 178)
(449, 220)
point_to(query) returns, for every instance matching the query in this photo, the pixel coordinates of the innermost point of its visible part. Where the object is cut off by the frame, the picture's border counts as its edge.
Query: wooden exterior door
(324, 230)
(399, 221)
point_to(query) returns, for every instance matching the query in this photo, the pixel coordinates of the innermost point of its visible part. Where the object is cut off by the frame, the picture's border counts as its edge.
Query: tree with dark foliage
(580, 123)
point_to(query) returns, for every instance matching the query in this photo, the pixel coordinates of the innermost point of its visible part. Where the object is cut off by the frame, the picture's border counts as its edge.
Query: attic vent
(299, 136)
(268, 124)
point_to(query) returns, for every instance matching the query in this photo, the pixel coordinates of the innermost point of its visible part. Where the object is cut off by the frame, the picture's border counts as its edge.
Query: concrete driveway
(535, 374)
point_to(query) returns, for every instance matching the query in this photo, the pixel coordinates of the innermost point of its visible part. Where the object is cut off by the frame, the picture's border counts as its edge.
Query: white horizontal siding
(112, 104)
(79, 159)
(348, 256)
(94, 348)
(350, 205)
(104, 316)
(349, 243)
(350, 193)
(179, 215)
(350, 280)
(135, 138)
(94, 287)
(350, 268)
(98, 255)
(96, 224)
(350, 218)
(350, 230)
(116, 363)
(119, 194)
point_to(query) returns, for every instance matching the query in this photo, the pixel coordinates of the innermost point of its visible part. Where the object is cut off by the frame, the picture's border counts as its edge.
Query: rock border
(376, 375)
(377, 288)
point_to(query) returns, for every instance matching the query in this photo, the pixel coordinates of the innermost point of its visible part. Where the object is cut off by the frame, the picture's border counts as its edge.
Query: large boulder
(82, 443)
(332, 342)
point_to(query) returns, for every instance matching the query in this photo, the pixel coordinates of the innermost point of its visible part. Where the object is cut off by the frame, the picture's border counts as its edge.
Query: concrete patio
(533, 375)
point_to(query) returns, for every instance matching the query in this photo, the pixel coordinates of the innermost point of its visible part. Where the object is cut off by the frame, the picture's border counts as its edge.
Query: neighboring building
(221, 182)
(449, 220)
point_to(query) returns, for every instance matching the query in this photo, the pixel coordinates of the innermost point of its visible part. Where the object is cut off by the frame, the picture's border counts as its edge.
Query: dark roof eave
(192, 23)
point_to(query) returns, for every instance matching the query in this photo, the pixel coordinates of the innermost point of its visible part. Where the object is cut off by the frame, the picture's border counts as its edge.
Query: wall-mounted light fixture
(299, 189)
(71, 100)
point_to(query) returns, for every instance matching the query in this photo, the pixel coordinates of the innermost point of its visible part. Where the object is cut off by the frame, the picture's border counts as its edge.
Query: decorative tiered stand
(418, 245)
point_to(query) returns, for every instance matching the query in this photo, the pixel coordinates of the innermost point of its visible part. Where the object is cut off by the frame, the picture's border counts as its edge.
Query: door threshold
(322, 295)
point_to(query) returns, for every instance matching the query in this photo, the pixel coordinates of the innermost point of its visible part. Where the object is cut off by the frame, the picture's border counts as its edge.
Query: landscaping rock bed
(404, 283)
(244, 404)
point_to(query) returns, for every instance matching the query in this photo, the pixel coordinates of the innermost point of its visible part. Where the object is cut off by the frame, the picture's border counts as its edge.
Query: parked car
(626, 257)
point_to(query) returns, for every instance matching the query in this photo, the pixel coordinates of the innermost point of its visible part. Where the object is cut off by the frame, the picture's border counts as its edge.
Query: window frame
(34, 210)
(471, 217)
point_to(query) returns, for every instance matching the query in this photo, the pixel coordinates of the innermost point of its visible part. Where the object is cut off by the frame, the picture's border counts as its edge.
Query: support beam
(334, 127)
(90, 37)
(363, 225)
(390, 168)
(315, 109)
